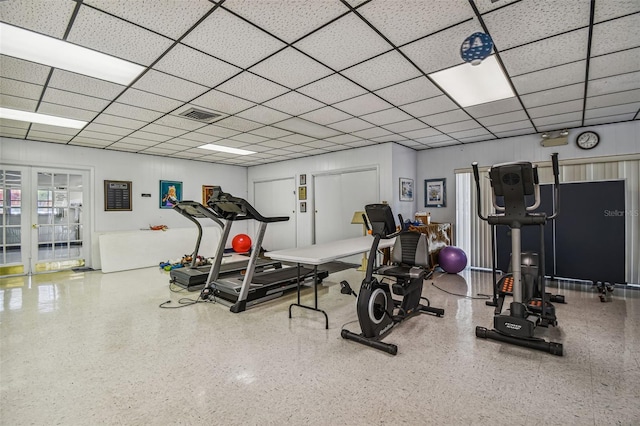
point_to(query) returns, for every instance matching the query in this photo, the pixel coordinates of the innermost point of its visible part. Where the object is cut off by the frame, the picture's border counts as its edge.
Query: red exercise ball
(241, 243)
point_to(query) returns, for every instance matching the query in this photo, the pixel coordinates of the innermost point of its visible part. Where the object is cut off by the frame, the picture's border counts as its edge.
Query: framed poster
(302, 192)
(117, 196)
(435, 192)
(170, 193)
(406, 189)
(207, 192)
(303, 179)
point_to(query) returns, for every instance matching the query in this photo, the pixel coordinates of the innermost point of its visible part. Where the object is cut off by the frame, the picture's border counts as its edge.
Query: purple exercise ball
(452, 259)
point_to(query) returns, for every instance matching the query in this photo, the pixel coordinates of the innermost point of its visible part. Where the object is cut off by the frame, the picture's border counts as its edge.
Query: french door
(44, 219)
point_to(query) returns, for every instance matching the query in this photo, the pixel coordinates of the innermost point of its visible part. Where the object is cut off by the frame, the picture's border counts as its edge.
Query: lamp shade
(357, 218)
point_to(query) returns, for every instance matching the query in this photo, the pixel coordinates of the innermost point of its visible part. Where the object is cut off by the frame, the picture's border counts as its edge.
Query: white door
(277, 198)
(337, 197)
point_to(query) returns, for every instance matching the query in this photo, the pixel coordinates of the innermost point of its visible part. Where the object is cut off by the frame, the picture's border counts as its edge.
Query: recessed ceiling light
(473, 85)
(227, 149)
(34, 117)
(53, 52)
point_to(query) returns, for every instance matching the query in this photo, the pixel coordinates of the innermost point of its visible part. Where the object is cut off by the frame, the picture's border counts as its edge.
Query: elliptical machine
(530, 306)
(378, 312)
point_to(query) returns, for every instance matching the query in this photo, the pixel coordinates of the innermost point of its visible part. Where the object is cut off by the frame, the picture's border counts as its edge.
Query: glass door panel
(11, 248)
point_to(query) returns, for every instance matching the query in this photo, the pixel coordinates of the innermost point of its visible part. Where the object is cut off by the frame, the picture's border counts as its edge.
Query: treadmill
(192, 277)
(254, 287)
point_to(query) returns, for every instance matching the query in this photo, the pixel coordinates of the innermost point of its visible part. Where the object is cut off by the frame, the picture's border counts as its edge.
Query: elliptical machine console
(531, 305)
(378, 312)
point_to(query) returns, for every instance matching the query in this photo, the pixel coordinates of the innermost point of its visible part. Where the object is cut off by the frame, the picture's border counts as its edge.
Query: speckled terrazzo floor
(94, 349)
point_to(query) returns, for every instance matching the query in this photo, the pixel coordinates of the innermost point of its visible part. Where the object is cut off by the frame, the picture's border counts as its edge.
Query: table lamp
(359, 219)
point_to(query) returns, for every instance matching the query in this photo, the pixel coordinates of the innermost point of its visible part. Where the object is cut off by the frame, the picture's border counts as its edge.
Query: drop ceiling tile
(441, 50)
(48, 136)
(335, 148)
(213, 130)
(237, 123)
(66, 111)
(493, 108)
(169, 86)
(430, 106)
(132, 112)
(410, 91)
(421, 133)
(511, 133)
(631, 108)
(78, 83)
(609, 119)
(509, 117)
(184, 143)
(435, 139)
(387, 116)
(264, 115)
(550, 78)
(302, 148)
(15, 124)
(270, 132)
(89, 142)
(557, 119)
(167, 17)
(382, 71)
(19, 69)
(546, 53)
(252, 87)
(61, 97)
(18, 103)
(224, 29)
(546, 97)
(524, 125)
(528, 21)
(275, 144)
(98, 136)
(141, 134)
(218, 101)
(291, 68)
(294, 103)
(332, 89)
(147, 100)
(190, 64)
(325, 115)
(374, 132)
(475, 134)
(164, 130)
(612, 99)
(20, 89)
(458, 126)
(287, 20)
(615, 63)
(108, 34)
(296, 139)
(485, 6)
(445, 117)
(351, 125)
(389, 138)
(159, 150)
(102, 128)
(36, 127)
(137, 141)
(619, 34)
(344, 139)
(180, 122)
(344, 42)
(126, 147)
(357, 144)
(618, 83)
(443, 143)
(248, 138)
(562, 125)
(405, 21)
(406, 126)
(12, 132)
(319, 144)
(39, 16)
(476, 138)
(612, 9)
(363, 104)
(554, 109)
(306, 128)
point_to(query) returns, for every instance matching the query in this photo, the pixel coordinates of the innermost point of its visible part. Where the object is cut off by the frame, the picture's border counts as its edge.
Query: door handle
(35, 226)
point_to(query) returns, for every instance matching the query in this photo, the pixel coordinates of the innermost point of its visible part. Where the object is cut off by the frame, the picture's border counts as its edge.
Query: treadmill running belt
(280, 275)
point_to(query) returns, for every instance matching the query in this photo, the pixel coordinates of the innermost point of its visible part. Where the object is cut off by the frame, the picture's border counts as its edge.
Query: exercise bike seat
(410, 257)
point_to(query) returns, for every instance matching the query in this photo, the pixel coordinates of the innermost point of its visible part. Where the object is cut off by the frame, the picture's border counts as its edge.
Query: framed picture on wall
(406, 189)
(435, 192)
(170, 193)
(207, 192)
(117, 195)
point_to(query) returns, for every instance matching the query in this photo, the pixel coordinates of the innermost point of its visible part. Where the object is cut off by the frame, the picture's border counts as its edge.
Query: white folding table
(318, 254)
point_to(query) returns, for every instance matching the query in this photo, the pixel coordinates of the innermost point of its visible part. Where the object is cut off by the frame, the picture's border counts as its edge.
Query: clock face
(588, 140)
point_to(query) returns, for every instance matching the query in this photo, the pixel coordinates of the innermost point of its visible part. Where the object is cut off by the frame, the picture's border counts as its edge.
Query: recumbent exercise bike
(378, 312)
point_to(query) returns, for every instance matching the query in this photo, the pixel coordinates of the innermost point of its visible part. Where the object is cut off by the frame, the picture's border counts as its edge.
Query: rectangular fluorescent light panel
(34, 117)
(227, 149)
(475, 84)
(53, 52)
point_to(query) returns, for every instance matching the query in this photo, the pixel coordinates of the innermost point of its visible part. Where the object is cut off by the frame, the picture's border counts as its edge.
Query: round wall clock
(588, 140)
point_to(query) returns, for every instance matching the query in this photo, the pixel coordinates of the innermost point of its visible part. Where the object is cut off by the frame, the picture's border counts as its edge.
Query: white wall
(144, 171)
(615, 139)
(404, 165)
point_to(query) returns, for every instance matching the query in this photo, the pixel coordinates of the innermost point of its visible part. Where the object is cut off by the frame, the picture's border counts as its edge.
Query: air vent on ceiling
(200, 115)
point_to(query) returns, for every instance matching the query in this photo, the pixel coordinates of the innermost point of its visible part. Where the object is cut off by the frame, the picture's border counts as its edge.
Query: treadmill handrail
(241, 210)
